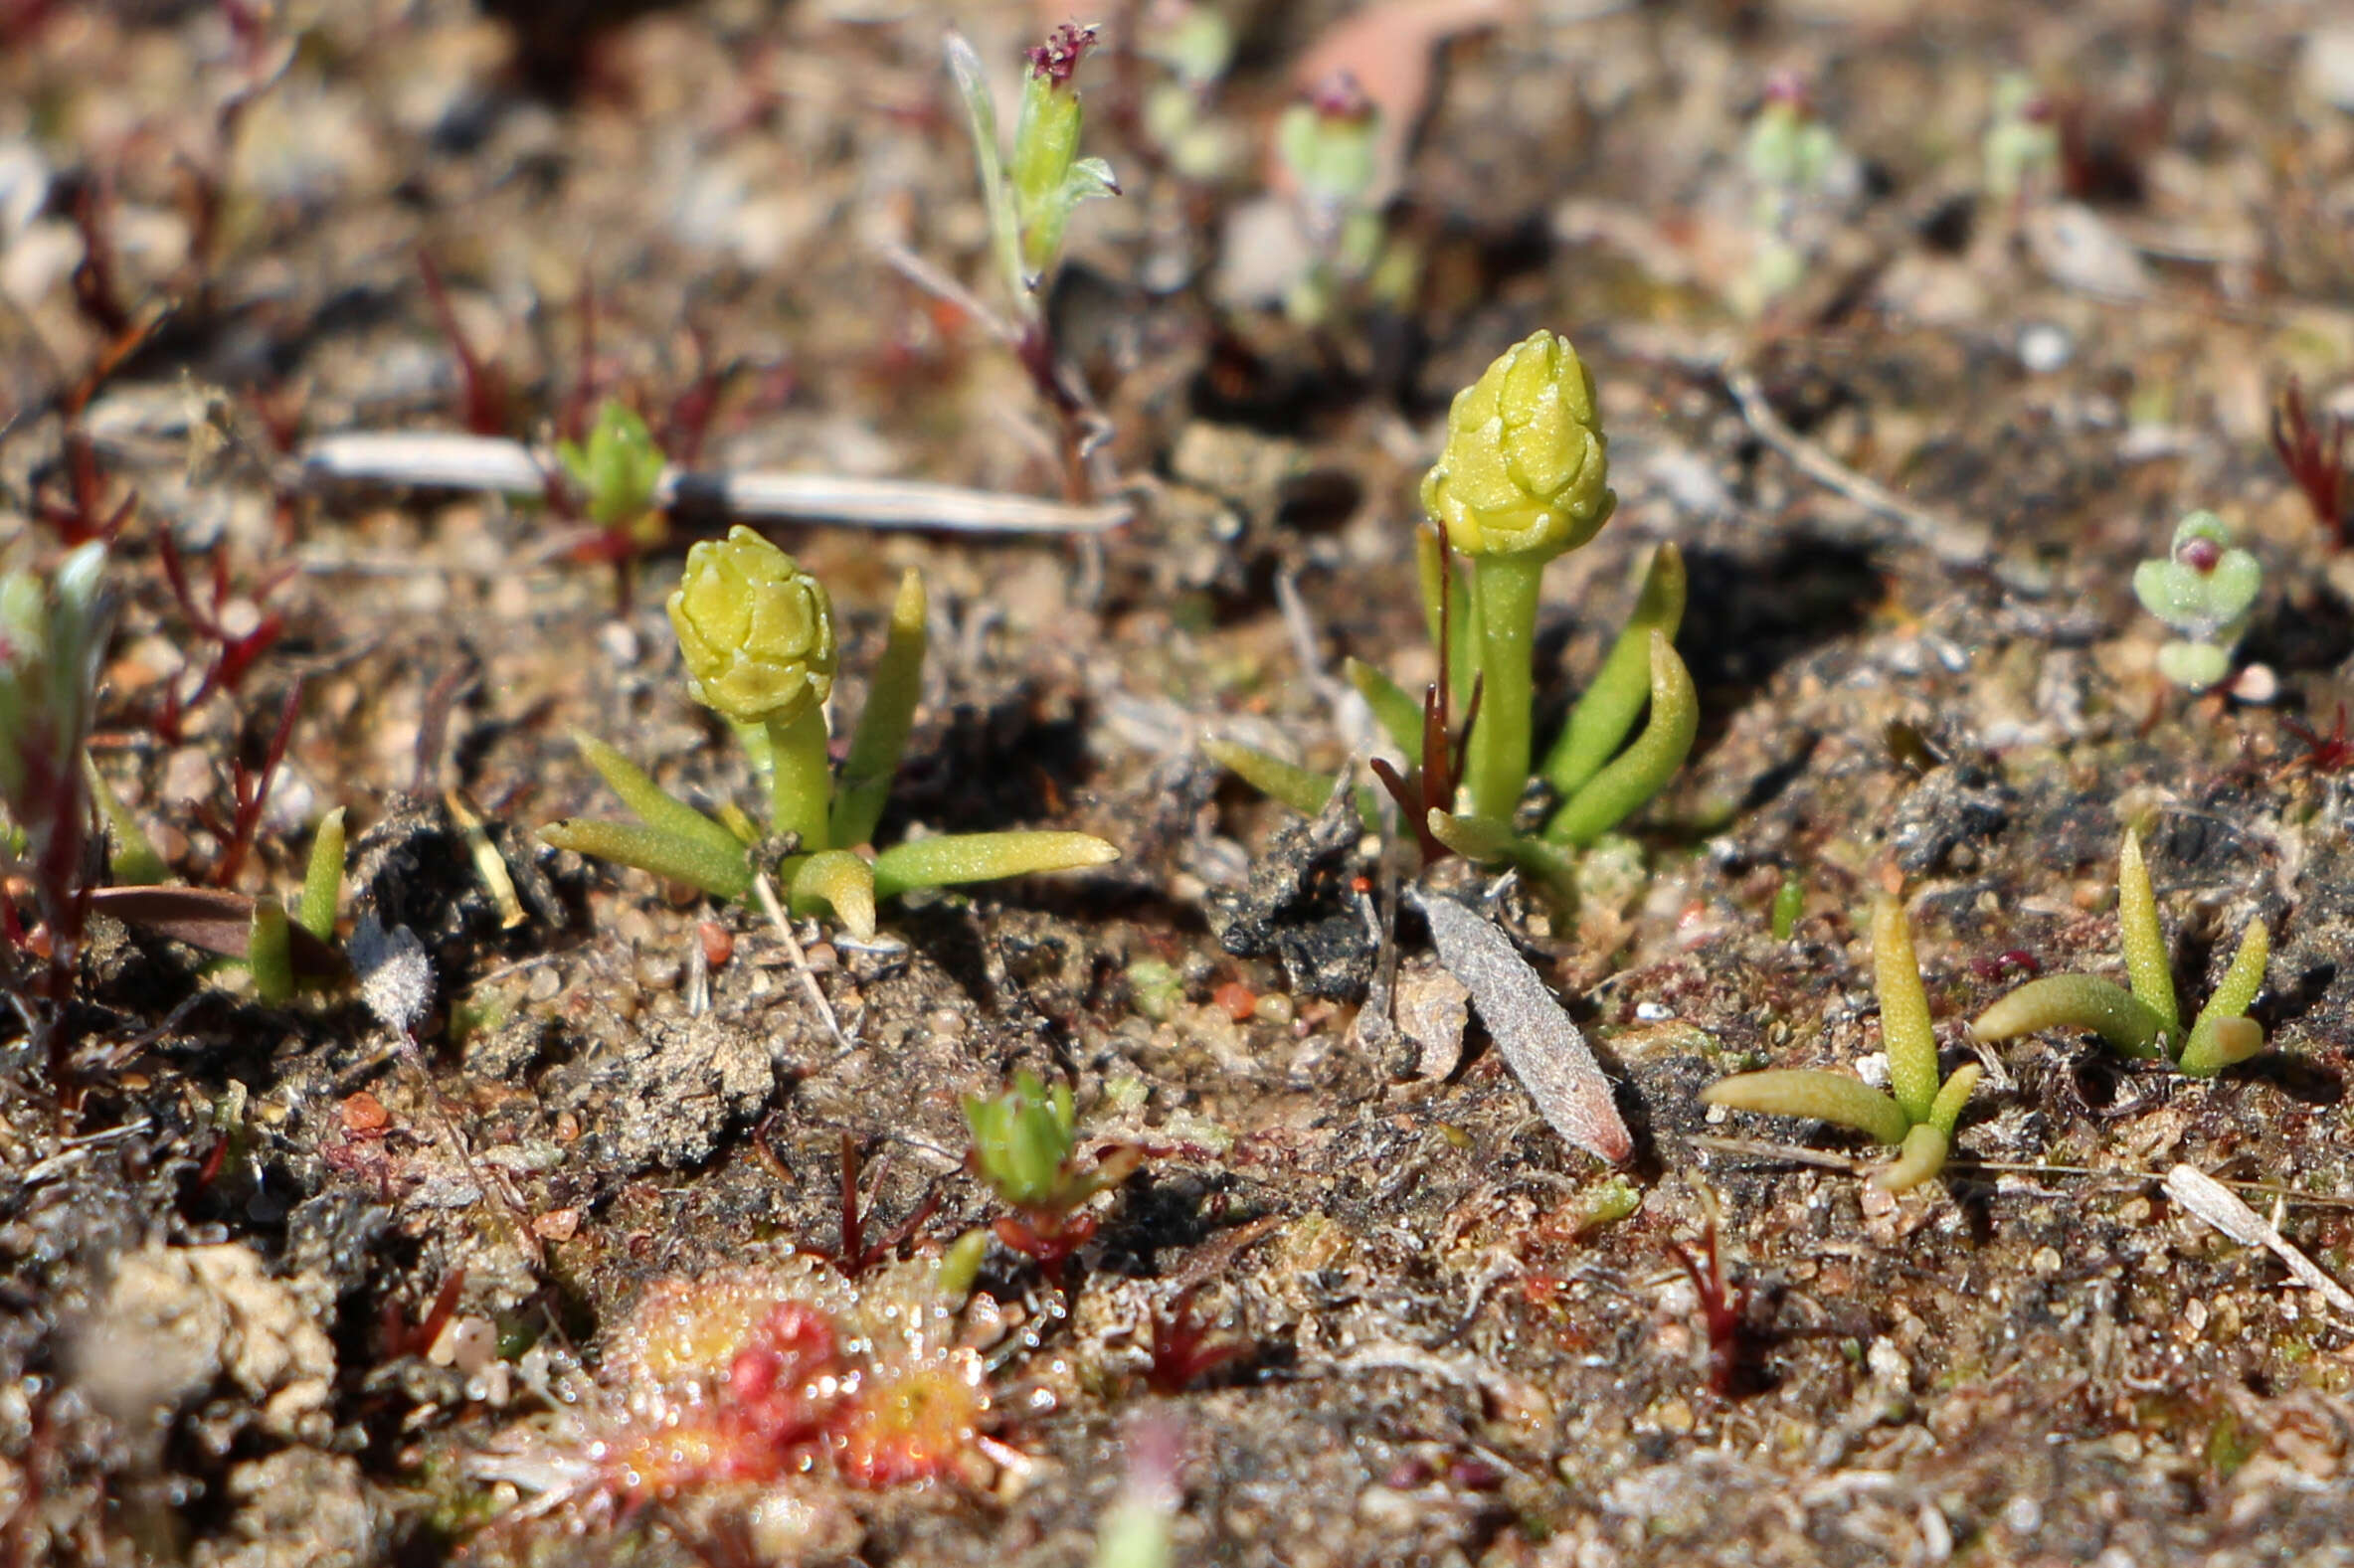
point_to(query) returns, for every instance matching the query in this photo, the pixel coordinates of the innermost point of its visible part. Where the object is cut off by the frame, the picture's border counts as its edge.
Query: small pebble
(364, 1113)
(2044, 347)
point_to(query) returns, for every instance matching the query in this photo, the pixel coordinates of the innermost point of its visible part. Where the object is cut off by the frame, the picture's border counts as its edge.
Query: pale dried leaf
(1545, 1051)
(2209, 1199)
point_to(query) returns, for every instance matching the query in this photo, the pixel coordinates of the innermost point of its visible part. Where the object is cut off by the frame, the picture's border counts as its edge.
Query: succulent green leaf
(2194, 667)
(1905, 1031)
(1946, 1109)
(269, 952)
(1022, 1141)
(132, 860)
(618, 468)
(2206, 585)
(1921, 1157)
(1400, 715)
(322, 878)
(653, 805)
(1551, 867)
(2076, 1001)
(1608, 711)
(1789, 902)
(880, 740)
(983, 858)
(2148, 966)
(695, 861)
(2222, 1034)
(1304, 792)
(1839, 1098)
(1643, 770)
(843, 882)
(2218, 1043)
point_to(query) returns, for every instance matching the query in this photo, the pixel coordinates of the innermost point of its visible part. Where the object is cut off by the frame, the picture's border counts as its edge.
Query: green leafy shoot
(1918, 1113)
(757, 636)
(2145, 1021)
(1029, 197)
(616, 473)
(1025, 1148)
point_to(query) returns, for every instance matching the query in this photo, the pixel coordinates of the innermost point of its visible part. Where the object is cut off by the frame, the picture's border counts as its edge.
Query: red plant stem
(485, 385)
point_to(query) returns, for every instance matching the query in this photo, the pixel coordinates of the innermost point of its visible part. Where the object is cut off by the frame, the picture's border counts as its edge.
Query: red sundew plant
(776, 1375)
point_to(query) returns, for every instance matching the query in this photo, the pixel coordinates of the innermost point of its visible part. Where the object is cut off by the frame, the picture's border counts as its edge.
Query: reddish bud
(1059, 55)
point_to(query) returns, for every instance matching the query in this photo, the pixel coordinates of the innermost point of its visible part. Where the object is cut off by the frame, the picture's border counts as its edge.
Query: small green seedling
(1031, 198)
(1026, 1147)
(1194, 44)
(1523, 477)
(1328, 142)
(2021, 150)
(1790, 157)
(1918, 1113)
(2204, 588)
(2144, 1022)
(757, 636)
(616, 473)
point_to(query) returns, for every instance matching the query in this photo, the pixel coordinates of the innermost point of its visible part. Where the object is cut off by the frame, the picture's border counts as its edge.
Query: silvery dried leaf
(395, 977)
(1546, 1053)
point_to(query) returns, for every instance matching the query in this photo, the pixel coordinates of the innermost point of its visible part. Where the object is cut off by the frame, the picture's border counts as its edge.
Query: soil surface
(279, 1286)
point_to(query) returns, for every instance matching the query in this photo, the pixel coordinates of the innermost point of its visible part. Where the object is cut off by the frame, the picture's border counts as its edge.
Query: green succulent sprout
(2144, 1022)
(616, 473)
(756, 635)
(1523, 477)
(1916, 1114)
(2204, 588)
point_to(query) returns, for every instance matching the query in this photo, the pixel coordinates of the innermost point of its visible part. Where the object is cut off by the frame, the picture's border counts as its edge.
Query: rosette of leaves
(1916, 1114)
(1523, 477)
(2204, 588)
(755, 633)
(2144, 1022)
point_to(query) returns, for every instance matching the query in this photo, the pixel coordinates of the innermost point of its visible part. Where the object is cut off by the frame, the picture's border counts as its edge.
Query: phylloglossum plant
(1917, 1113)
(755, 633)
(1523, 477)
(2144, 1022)
(2204, 588)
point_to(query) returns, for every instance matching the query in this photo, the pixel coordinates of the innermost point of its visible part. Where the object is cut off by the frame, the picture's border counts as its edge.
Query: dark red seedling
(489, 401)
(1186, 1350)
(1724, 1309)
(856, 1257)
(2329, 751)
(249, 791)
(2316, 457)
